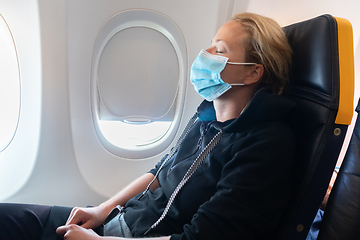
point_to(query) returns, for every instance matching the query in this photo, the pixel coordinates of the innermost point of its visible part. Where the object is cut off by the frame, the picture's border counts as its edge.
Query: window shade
(138, 77)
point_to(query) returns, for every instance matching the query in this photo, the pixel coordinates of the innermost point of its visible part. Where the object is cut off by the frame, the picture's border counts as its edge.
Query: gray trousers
(117, 227)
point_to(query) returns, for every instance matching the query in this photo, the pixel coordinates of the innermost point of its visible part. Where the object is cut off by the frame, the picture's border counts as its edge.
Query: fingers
(82, 216)
(88, 224)
(62, 230)
(72, 232)
(78, 215)
(72, 219)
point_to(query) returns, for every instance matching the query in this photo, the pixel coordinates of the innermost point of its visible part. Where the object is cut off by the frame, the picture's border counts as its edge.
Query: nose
(211, 50)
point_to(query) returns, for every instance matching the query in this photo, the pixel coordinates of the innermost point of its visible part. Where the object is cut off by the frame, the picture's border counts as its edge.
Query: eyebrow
(226, 44)
(217, 40)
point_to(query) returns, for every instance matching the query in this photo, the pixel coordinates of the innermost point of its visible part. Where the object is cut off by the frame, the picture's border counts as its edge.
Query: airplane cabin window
(9, 86)
(138, 83)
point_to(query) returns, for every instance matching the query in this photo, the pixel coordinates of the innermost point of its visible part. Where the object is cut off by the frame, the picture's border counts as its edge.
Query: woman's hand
(75, 232)
(87, 217)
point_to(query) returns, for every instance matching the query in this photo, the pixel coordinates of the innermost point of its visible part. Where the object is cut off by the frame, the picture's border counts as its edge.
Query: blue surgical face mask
(205, 75)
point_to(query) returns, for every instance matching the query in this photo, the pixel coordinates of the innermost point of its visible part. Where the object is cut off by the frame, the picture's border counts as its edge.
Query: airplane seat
(341, 219)
(322, 85)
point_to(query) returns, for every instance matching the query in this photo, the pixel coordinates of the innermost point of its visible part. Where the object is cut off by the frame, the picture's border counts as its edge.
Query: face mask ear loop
(246, 64)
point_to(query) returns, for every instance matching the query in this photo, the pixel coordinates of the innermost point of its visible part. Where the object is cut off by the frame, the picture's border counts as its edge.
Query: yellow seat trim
(346, 70)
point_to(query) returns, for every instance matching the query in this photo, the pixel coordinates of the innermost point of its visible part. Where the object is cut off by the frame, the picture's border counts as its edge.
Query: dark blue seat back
(342, 215)
(316, 87)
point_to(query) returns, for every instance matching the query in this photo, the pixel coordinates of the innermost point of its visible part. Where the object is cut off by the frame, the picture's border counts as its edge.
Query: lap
(26, 221)
(22, 221)
(57, 217)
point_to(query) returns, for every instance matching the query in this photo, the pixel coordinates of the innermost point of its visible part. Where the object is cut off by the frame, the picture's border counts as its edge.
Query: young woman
(229, 176)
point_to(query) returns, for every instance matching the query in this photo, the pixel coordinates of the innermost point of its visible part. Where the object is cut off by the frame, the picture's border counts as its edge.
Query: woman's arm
(94, 217)
(134, 188)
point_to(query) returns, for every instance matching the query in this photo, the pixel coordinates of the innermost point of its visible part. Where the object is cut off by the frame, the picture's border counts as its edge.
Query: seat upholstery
(342, 215)
(316, 85)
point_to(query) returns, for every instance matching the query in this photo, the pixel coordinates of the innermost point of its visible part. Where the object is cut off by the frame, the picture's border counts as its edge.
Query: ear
(255, 74)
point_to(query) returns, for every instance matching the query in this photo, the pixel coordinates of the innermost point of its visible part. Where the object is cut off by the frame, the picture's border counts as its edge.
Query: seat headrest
(315, 61)
(323, 62)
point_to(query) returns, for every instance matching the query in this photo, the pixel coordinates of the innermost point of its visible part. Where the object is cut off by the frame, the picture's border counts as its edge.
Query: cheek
(232, 74)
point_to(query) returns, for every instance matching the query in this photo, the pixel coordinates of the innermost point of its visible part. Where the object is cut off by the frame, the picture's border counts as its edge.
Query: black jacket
(241, 188)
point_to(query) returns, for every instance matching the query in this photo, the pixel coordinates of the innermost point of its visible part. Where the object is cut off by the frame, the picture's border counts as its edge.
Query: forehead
(232, 32)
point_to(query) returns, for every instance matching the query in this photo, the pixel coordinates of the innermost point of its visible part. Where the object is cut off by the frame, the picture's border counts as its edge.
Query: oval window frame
(167, 27)
(9, 139)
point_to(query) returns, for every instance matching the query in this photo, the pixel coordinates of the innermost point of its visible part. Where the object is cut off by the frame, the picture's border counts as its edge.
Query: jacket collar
(263, 107)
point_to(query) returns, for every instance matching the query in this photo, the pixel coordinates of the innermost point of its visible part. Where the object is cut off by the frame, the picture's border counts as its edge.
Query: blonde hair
(267, 45)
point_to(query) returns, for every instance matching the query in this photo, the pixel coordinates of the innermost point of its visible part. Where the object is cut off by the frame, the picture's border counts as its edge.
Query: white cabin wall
(55, 128)
(23, 21)
(55, 178)
(55, 157)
